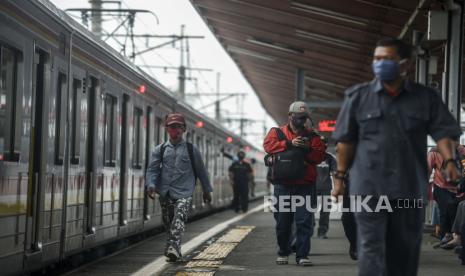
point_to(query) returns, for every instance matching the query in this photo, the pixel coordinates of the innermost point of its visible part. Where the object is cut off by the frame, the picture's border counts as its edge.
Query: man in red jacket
(296, 136)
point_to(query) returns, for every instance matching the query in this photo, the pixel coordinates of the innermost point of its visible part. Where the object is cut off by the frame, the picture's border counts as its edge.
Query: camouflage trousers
(174, 216)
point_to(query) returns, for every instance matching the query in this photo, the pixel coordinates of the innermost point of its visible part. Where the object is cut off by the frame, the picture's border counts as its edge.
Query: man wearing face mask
(382, 132)
(172, 173)
(240, 173)
(295, 137)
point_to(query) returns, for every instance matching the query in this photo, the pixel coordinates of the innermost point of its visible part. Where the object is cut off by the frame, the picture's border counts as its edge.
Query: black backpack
(190, 151)
(288, 164)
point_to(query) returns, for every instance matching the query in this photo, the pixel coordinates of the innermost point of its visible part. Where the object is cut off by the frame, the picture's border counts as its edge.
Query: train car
(77, 125)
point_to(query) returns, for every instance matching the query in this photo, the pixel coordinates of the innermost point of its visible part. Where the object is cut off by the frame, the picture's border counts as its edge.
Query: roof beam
(324, 104)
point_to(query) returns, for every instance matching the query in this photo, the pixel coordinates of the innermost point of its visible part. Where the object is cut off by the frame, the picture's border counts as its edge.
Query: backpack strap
(190, 151)
(280, 134)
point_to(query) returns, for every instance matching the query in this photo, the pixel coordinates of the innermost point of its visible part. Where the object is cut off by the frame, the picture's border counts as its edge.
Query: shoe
(458, 250)
(172, 255)
(447, 238)
(304, 262)
(449, 246)
(353, 253)
(282, 260)
(323, 236)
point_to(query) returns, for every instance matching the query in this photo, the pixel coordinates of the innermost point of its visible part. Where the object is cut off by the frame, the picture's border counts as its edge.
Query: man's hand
(207, 197)
(300, 142)
(339, 188)
(451, 172)
(151, 191)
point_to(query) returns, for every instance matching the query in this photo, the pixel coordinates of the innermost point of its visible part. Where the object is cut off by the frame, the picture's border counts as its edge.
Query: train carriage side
(75, 139)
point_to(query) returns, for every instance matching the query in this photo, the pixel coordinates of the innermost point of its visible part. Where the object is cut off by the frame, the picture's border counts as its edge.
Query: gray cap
(298, 107)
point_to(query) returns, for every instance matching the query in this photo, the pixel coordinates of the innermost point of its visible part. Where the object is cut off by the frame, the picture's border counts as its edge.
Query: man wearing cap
(172, 173)
(296, 136)
(382, 132)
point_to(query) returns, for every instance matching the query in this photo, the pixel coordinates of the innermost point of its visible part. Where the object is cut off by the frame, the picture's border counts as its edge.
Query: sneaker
(172, 255)
(449, 246)
(282, 260)
(304, 262)
(447, 238)
(323, 236)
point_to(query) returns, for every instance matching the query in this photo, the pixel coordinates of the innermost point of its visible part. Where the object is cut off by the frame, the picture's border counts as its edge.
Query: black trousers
(348, 223)
(241, 196)
(447, 204)
(389, 242)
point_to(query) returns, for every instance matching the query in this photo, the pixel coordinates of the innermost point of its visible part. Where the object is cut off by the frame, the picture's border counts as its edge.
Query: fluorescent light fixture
(325, 82)
(330, 14)
(328, 40)
(249, 53)
(275, 46)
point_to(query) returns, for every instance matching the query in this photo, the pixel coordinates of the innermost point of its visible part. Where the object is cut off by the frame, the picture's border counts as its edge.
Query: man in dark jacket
(297, 136)
(382, 131)
(240, 173)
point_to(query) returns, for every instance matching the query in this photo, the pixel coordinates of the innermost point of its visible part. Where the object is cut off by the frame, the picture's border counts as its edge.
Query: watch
(340, 175)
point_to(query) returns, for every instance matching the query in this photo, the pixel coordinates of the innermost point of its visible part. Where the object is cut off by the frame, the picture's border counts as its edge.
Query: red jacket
(316, 155)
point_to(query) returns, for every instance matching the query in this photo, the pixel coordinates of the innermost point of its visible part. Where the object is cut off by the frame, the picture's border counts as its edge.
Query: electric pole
(182, 68)
(217, 103)
(96, 17)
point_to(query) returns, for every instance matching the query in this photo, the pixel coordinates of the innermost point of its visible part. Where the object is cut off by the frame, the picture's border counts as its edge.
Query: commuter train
(77, 125)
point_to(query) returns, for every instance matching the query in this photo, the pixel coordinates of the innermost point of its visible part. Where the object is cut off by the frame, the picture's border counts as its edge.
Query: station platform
(229, 244)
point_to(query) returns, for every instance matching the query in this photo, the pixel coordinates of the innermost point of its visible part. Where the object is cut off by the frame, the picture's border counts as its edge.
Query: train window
(137, 136)
(10, 104)
(60, 109)
(76, 121)
(109, 136)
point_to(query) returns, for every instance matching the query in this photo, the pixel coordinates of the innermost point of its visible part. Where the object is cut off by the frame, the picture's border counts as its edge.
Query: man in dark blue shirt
(382, 133)
(240, 173)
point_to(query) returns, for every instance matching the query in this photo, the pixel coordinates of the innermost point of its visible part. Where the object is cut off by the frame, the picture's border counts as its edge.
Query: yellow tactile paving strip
(206, 263)
(193, 273)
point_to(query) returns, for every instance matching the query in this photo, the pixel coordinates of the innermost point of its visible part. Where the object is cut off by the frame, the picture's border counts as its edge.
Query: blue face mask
(387, 69)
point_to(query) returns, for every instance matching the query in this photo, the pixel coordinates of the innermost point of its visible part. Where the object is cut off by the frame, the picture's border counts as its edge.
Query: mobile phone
(305, 139)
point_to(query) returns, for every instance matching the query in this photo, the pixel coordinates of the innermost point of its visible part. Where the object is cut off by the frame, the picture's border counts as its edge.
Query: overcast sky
(205, 53)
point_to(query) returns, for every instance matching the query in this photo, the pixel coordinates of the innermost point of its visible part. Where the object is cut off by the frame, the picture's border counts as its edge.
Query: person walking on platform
(293, 153)
(324, 185)
(382, 132)
(172, 172)
(445, 193)
(240, 174)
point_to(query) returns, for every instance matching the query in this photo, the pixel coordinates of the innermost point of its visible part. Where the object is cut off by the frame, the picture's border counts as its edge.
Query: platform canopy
(330, 41)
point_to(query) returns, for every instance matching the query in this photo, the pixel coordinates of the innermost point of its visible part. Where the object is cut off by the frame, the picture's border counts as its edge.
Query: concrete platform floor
(256, 254)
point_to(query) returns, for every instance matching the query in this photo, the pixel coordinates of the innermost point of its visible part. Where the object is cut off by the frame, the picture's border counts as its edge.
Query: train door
(93, 86)
(13, 169)
(148, 151)
(135, 180)
(76, 184)
(37, 160)
(124, 163)
(55, 178)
